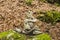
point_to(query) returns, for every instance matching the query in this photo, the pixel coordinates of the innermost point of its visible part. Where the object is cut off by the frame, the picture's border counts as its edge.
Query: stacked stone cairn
(29, 27)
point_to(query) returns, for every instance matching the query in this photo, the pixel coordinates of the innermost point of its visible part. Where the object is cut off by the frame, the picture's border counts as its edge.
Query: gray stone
(18, 30)
(36, 32)
(29, 26)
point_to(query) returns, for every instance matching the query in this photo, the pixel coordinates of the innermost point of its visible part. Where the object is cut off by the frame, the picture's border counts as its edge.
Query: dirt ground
(12, 14)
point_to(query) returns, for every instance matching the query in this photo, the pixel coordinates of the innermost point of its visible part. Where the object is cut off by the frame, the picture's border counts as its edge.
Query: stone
(29, 24)
(36, 32)
(18, 30)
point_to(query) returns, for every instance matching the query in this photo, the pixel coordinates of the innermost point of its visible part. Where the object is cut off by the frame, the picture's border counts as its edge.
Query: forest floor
(12, 14)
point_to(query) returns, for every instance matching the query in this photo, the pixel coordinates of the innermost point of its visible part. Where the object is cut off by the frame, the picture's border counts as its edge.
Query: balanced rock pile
(29, 27)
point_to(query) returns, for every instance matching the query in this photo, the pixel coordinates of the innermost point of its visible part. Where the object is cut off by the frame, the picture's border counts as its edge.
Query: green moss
(9, 35)
(12, 35)
(28, 2)
(42, 37)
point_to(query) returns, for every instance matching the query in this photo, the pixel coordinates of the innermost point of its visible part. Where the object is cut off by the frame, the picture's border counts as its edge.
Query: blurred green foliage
(12, 35)
(56, 2)
(50, 16)
(42, 37)
(28, 2)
